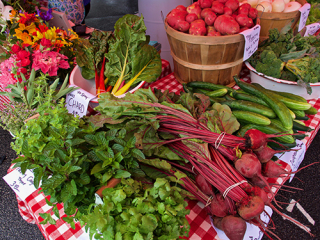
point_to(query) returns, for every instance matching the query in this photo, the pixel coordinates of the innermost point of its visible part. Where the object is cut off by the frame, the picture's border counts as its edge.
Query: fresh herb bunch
(289, 57)
(71, 157)
(13, 116)
(27, 96)
(133, 210)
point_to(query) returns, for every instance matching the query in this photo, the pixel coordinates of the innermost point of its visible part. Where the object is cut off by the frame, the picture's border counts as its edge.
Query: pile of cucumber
(269, 111)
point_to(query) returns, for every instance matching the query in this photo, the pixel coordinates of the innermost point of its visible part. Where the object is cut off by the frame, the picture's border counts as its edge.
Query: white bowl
(90, 85)
(283, 85)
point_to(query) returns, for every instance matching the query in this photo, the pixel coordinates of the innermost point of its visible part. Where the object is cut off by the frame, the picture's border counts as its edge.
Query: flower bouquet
(32, 44)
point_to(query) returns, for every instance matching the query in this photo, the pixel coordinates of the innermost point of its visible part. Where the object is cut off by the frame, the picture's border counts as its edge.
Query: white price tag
(251, 37)
(294, 158)
(304, 10)
(252, 232)
(311, 29)
(77, 101)
(21, 184)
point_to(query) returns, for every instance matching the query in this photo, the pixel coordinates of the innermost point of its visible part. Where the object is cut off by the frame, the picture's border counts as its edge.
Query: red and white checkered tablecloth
(3, 99)
(201, 228)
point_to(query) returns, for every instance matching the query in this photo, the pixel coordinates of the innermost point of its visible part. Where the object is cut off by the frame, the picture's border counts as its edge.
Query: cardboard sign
(304, 10)
(77, 102)
(251, 37)
(252, 232)
(294, 158)
(311, 29)
(21, 184)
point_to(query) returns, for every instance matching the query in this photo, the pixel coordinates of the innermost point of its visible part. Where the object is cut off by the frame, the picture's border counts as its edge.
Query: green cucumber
(244, 96)
(293, 115)
(291, 96)
(277, 106)
(208, 86)
(270, 129)
(290, 103)
(229, 98)
(299, 113)
(276, 122)
(311, 111)
(301, 127)
(251, 117)
(279, 146)
(216, 93)
(250, 106)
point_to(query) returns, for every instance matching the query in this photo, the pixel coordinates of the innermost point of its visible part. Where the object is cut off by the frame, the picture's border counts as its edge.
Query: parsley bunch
(133, 210)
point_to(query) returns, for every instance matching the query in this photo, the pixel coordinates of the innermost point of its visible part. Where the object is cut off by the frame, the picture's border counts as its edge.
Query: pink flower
(49, 61)
(6, 77)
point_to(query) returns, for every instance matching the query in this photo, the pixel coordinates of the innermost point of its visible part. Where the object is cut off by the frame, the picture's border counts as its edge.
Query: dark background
(103, 15)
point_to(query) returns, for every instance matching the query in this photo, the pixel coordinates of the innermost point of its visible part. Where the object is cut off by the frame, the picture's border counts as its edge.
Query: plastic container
(283, 85)
(151, 11)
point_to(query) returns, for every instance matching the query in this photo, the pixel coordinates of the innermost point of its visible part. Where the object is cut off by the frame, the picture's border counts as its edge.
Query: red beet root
(203, 184)
(234, 227)
(218, 206)
(251, 207)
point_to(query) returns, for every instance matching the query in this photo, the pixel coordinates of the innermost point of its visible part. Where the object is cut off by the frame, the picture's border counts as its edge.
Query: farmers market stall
(158, 156)
(201, 228)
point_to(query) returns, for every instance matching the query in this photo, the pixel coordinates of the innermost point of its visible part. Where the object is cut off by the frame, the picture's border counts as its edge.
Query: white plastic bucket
(151, 11)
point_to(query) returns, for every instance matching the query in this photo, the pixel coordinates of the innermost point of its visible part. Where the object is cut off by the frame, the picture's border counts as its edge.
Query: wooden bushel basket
(205, 58)
(278, 20)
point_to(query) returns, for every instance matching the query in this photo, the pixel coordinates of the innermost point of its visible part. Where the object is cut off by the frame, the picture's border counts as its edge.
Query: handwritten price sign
(304, 13)
(294, 158)
(311, 29)
(21, 184)
(77, 102)
(251, 37)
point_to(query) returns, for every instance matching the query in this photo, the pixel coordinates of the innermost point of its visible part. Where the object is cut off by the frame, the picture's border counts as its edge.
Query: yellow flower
(24, 32)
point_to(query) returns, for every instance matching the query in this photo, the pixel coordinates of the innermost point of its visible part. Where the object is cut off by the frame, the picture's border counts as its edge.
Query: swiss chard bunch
(133, 210)
(130, 58)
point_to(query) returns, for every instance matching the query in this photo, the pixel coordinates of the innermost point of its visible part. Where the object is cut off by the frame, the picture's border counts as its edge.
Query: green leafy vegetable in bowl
(288, 57)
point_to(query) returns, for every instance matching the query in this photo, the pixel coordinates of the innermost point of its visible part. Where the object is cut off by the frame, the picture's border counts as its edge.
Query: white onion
(264, 7)
(292, 6)
(286, 1)
(253, 3)
(278, 5)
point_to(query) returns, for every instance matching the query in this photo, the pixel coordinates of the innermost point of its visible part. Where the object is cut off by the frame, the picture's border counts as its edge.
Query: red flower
(25, 62)
(45, 42)
(15, 48)
(23, 70)
(23, 54)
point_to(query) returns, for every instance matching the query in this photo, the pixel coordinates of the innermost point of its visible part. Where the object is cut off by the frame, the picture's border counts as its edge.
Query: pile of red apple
(213, 17)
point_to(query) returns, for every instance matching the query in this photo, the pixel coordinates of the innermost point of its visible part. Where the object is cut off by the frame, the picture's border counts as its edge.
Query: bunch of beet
(213, 18)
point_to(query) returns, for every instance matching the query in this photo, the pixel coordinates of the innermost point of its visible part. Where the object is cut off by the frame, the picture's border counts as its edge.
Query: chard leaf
(146, 65)
(129, 32)
(221, 119)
